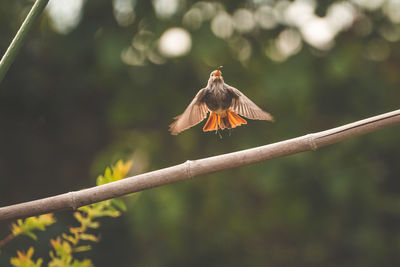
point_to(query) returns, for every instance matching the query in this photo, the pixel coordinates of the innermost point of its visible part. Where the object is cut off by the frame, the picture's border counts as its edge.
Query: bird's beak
(218, 74)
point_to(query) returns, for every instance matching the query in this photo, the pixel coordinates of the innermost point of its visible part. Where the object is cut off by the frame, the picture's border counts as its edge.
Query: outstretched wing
(193, 114)
(242, 105)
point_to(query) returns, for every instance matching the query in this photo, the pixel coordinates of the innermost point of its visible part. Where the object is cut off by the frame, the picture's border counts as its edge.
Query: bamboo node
(72, 197)
(188, 168)
(311, 142)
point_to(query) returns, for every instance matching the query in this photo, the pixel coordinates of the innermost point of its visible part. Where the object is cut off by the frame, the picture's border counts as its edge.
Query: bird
(223, 102)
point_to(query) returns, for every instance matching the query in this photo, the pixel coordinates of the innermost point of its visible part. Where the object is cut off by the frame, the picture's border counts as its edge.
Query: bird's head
(216, 76)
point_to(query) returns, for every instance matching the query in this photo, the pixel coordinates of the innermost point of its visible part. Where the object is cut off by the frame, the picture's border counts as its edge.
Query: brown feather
(193, 114)
(243, 106)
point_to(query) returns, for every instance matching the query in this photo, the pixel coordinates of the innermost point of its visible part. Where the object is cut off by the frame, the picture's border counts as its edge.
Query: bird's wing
(193, 114)
(242, 105)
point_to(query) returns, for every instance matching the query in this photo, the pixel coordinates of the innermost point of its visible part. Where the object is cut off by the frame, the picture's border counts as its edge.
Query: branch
(7, 239)
(189, 169)
(20, 37)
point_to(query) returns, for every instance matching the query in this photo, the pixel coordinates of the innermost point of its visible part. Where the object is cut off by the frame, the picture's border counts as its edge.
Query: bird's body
(224, 103)
(218, 98)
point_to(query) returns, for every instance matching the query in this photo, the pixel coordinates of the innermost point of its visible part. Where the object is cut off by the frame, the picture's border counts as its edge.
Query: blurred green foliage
(73, 102)
(31, 224)
(66, 245)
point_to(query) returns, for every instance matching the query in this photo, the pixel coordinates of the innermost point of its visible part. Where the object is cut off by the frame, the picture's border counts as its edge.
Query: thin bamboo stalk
(190, 169)
(20, 37)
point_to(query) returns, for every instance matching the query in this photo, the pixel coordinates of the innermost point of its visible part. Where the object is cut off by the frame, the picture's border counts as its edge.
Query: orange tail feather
(212, 123)
(234, 119)
(228, 120)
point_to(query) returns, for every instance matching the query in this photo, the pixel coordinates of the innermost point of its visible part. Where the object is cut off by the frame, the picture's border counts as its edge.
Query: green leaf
(85, 209)
(89, 237)
(27, 226)
(115, 173)
(25, 259)
(100, 180)
(120, 169)
(93, 225)
(107, 173)
(78, 216)
(31, 235)
(82, 248)
(119, 204)
(84, 263)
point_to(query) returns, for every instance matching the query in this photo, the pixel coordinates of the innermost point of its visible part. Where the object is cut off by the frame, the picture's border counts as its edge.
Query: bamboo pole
(20, 37)
(190, 169)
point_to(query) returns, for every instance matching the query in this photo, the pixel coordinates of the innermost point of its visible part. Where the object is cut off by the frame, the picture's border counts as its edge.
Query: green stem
(19, 38)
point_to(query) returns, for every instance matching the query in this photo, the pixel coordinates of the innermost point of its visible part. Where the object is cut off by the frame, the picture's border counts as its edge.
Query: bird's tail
(212, 123)
(234, 119)
(227, 120)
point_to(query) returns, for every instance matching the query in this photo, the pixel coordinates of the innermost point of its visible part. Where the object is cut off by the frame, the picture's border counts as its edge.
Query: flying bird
(224, 103)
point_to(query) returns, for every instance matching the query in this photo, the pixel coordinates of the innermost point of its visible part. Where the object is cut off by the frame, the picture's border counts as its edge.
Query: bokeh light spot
(241, 48)
(222, 25)
(369, 4)
(143, 40)
(175, 42)
(341, 15)
(318, 33)
(123, 11)
(133, 57)
(289, 42)
(165, 8)
(208, 9)
(65, 15)
(243, 20)
(392, 10)
(390, 32)
(299, 12)
(265, 17)
(193, 19)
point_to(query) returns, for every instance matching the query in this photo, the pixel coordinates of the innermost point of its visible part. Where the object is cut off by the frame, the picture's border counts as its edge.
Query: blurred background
(98, 81)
